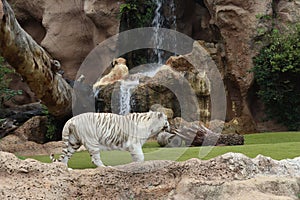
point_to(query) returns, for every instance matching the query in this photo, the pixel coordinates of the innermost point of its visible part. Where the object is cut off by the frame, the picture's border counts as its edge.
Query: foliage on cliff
(277, 72)
(137, 13)
(5, 92)
(34, 64)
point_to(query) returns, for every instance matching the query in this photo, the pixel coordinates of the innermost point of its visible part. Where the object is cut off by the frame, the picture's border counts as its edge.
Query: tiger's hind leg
(71, 146)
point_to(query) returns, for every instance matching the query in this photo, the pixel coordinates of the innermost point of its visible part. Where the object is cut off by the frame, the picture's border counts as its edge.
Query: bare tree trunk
(33, 63)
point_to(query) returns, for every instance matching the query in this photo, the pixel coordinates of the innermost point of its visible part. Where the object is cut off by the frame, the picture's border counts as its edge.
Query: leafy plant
(45, 110)
(51, 128)
(277, 72)
(53, 125)
(137, 13)
(263, 16)
(5, 92)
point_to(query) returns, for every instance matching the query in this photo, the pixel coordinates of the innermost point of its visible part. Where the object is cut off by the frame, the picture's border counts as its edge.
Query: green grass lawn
(276, 145)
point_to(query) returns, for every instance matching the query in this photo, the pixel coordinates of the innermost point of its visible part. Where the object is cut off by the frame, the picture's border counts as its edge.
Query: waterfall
(160, 21)
(126, 88)
(157, 23)
(173, 14)
(173, 21)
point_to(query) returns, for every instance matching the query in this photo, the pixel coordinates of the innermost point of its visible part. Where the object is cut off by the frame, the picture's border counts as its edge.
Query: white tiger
(107, 131)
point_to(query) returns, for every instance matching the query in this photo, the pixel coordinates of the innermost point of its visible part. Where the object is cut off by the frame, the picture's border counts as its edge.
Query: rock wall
(234, 27)
(230, 176)
(69, 30)
(238, 24)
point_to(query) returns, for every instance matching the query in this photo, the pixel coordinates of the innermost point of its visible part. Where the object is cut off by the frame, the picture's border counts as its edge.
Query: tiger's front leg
(96, 159)
(137, 153)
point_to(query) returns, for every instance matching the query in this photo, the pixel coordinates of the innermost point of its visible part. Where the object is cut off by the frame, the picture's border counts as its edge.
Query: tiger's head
(165, 121)
(159, 123)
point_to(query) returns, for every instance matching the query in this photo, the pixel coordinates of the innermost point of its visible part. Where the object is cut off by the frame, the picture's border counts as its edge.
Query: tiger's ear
(160, 115)
(114, 62)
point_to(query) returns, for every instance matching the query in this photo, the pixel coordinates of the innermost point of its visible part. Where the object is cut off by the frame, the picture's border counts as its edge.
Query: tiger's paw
(101, 166)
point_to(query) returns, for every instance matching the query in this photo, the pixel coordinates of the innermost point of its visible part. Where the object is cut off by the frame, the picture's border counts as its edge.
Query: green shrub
(51, 129)
(5, 92)
(137, 13)
(277, 72)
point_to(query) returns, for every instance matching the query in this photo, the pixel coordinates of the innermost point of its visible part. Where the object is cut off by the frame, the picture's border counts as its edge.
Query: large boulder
(157, 90)
(35, 129)
(159, 108)
(18, 145)
(12, 118)
(233, 30)
(240, 125)
(178, 85)
(287, 11)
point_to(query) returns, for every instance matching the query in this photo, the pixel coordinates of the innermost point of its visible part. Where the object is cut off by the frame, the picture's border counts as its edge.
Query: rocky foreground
(230, 176)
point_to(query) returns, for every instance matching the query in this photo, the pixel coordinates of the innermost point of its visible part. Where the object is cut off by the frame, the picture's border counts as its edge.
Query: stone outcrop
(159, 108)
(230, 29)
(118, 72)
(240, 125)
(184, 92)
(233, 28)
(238, 24)
(287, 11)
(68, 30)
(166, 89)
(35, 129)
(19, 146)
(230, 176)
(12, 118)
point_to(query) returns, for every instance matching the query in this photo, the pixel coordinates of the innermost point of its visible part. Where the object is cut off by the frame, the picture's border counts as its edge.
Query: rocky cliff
(235, 27)
(231, 176)
(69, 30)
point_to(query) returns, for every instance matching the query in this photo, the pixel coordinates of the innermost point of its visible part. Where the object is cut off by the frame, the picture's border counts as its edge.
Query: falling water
(157, 23)
(173, 20)
(127, 86)
(126, 89)
(161, 21)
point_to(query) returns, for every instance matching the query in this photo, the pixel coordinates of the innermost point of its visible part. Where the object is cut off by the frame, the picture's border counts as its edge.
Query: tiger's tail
(71, 144)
